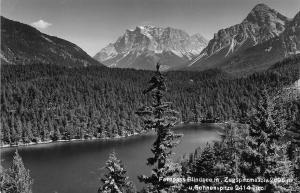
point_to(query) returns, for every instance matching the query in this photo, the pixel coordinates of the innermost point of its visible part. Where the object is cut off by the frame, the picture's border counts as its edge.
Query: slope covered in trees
(24, 44)
(41, 102)
(256, 149)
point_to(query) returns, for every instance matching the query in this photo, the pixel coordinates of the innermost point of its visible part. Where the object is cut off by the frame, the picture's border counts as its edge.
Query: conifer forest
(260, 114)
(150, 96)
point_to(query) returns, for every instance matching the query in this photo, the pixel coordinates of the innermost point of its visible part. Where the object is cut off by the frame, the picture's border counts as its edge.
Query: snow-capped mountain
(142, 47)
(261, 25)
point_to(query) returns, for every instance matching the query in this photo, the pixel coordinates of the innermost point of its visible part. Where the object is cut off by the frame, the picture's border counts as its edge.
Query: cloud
(41, 24)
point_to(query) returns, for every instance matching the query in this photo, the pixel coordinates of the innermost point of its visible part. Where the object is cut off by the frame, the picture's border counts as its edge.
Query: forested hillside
(42, 102)
(24, 44)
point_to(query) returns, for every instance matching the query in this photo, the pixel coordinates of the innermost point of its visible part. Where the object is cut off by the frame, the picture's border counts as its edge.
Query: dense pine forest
(256, 152)
(48, 102)
(150, 96)
(260, 115)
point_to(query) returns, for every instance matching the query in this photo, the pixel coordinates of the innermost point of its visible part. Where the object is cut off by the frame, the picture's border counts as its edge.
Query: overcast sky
(92, 24)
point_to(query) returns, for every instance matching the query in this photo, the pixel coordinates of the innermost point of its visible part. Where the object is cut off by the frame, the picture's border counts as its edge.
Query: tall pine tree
(162, 118)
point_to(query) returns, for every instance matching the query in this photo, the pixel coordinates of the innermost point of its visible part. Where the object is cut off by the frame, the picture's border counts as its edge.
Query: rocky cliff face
(142, 47)
(262, 24)
(263, 55)
(23, 44)
(291, 37)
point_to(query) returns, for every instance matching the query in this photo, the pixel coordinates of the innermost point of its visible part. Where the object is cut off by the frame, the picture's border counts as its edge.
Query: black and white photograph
(150, 96)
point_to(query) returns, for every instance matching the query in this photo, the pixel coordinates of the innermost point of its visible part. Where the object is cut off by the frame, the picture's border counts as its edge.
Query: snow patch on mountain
(150, 44)
(231, 47)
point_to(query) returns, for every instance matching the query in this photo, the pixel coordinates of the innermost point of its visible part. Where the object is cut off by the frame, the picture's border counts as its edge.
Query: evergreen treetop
(161, 117)
(115, 180)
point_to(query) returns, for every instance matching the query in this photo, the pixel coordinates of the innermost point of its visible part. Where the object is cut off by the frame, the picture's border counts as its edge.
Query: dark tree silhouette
(162, 118)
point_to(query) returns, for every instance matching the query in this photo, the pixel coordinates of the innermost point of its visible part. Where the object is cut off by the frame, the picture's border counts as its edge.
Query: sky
(93, 24)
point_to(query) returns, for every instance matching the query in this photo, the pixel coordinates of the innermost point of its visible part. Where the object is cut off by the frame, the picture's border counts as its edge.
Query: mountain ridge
(143, 46)
(24, 44)
(228, 48)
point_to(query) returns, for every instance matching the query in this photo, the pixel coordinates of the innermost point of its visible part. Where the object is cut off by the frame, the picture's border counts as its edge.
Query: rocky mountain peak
(152, 42)
(262, 14)
(290, 38)
(146, 27)
(296, 19)
(261, 7)
(260, 25)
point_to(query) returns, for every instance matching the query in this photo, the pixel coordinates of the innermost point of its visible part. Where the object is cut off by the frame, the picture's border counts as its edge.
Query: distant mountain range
(23, 44)
(142, 47)
(264, 37)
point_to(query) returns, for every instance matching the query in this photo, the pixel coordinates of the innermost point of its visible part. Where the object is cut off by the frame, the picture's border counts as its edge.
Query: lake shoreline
(48, 142)
(76, 166)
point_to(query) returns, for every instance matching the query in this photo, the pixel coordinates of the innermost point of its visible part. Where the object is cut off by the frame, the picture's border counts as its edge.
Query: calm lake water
(76, 167)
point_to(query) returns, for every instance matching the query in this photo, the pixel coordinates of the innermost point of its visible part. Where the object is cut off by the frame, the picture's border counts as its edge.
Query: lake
(76, 167)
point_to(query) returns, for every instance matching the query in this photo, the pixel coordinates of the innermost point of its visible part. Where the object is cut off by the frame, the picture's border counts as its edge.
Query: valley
(83, 122)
